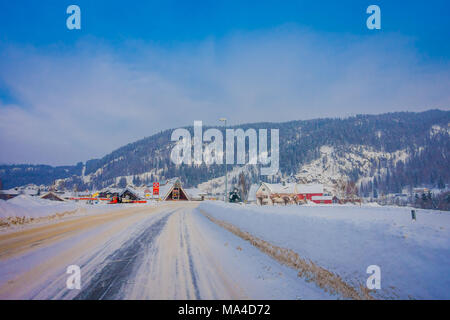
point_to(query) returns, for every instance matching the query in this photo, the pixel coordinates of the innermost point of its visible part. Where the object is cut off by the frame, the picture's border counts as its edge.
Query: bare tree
(243, 186)
(351, 190)
(347, 190)
(341, 185)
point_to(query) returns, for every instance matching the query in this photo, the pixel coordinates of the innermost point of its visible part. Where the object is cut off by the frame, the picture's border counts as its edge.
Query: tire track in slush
(118, 266)
(191, 265)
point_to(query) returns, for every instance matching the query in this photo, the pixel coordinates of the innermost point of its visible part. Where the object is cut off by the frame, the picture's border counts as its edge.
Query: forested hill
(392, 150)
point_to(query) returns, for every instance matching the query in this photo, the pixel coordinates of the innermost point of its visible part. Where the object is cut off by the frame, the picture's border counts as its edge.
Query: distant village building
(8, 194)
(128, 194)
(322, 199)
(109, 193)
(269, 193)
(420, 191)
(51, 196)
(251, 197)
(195, 194)
(172, 190)
(29, 189)
(308, 191)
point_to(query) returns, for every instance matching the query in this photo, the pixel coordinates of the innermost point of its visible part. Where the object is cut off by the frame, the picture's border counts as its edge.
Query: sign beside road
(155, 188)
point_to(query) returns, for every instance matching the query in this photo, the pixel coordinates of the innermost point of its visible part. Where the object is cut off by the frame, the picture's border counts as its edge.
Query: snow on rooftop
(309, 188)
(293, 188)
(252, 192)
(280, 188)
(194, 193)
(321, 198)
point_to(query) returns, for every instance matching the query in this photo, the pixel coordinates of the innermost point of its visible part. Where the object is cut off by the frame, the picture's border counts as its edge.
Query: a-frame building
(173, 191)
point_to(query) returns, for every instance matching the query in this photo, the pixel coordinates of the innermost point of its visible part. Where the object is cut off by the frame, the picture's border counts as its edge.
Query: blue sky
(42, 23)
(250, 61)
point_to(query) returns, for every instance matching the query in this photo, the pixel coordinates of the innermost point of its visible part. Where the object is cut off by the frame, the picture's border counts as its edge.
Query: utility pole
(225, 161)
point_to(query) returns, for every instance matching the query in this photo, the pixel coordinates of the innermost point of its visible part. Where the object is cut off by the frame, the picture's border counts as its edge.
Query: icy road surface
(170, 251)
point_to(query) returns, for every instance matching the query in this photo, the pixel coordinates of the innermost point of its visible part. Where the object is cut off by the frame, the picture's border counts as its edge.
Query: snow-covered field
(414, 257)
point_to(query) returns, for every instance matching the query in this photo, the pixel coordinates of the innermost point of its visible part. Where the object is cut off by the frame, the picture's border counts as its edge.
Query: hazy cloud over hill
(75, 103)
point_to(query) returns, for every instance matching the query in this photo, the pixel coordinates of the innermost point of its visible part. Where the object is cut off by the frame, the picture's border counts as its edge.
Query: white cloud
(74, 104)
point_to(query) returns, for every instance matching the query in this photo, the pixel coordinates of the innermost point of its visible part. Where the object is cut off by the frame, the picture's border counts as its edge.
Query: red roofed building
(308, 191)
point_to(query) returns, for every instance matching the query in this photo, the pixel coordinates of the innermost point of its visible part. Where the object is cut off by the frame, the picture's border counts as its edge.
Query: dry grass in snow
(307, 269)
(17, 221)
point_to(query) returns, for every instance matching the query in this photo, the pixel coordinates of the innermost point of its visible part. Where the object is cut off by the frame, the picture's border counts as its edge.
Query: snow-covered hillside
(334, 165)
(217, 185)
(361, 147)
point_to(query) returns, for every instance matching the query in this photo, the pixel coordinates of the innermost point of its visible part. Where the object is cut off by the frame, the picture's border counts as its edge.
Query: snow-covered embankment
(414, 257)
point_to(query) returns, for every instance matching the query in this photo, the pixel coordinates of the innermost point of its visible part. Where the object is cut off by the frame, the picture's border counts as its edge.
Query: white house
(289, 193)
(270, 193)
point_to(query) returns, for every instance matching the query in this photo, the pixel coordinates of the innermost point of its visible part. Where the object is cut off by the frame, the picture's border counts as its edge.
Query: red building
(290, 193)
(307, 191)
(322, 199)
(313, 192)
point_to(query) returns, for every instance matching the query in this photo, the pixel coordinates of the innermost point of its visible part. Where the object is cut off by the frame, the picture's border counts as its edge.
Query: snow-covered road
(170, 251)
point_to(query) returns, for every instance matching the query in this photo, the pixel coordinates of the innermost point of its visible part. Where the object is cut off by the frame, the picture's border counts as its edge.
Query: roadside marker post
(413, 215)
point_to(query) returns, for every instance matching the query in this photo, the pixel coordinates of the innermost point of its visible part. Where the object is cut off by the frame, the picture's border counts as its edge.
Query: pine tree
(122, 183)
(441, 184)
